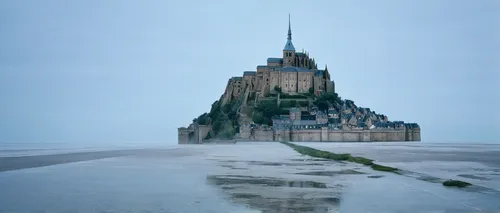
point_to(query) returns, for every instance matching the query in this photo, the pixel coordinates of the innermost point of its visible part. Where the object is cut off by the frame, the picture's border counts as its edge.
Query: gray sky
(100, 71)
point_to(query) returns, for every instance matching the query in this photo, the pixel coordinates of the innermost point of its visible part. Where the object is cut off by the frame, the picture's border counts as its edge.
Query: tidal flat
(252, 177)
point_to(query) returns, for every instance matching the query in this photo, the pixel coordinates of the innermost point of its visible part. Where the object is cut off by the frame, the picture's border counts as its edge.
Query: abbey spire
(289, 28)
(289, 46)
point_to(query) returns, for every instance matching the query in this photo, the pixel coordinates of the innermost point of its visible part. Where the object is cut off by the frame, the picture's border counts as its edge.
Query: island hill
(290, 99)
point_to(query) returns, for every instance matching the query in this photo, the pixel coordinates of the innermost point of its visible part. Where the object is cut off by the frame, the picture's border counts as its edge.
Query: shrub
(361, 160)
(456, 183)
(287, 96)
(383, 168)
(277, 89)
(303, 103)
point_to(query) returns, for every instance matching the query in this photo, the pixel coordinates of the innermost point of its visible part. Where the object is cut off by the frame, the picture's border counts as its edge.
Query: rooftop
(319, 73)
(289, 46)
(294, 69)
(249, 73)
(274, 60)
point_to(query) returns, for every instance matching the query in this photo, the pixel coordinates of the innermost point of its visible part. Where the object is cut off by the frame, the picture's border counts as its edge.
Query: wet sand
(243, 177)
(475, 163)
(25, 162)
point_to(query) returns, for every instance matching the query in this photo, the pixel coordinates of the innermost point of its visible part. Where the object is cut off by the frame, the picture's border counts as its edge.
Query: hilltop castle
(293, 73)
(290, 99)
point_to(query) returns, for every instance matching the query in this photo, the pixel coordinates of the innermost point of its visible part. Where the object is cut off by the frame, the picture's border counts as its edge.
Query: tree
(322, 105)
(264, 112)
(277, 89)
(202, 119)
(311, 90)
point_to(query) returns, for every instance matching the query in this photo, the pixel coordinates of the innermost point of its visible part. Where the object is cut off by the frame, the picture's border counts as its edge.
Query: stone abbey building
(294, 72)
(291, 77)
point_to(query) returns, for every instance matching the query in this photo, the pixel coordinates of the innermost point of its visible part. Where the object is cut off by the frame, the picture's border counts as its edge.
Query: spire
(289, 28)
(326, 68)
(289, 46)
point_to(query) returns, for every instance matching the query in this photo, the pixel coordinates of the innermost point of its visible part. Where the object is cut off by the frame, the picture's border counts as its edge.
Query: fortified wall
(194, 134)
(331, 135)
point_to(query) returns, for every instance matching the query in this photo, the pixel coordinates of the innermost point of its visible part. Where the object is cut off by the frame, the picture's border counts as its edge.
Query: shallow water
(248, 177)
(475, 163)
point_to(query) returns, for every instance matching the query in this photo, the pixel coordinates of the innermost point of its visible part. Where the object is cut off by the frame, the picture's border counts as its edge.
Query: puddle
(245, 195)
(430, 179)
(266, 163)
(332, 173)
(309, 159)
(237, 168)
(233, 167)
(221, 180)
(473, 177)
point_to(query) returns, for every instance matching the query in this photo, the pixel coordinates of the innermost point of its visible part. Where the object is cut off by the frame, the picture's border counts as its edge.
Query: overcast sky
(111, 71)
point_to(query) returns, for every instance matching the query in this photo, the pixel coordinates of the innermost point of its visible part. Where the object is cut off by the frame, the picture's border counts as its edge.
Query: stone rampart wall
(262, 135)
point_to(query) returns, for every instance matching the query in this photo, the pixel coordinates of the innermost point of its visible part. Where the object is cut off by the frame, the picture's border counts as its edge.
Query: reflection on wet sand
(264, 181)
(286, 195)
(332, 173)
(283, 189)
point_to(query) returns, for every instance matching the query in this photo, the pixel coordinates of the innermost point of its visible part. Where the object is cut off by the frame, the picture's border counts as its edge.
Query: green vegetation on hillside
(339, 157)
(325, 100)
(296, 96)
(265, 110)
(224, 119)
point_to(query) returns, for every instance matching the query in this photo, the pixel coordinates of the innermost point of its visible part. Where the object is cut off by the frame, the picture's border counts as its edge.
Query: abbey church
(295, 72)
(290, 99)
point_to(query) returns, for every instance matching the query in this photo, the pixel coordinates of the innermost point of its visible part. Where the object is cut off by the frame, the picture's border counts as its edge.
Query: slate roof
(412, 125)
(265, 66)
(289, 46)
(320, 73)
(237, 78)
(300, 54)
(249, 73)
(294, 69)
(307, 117)
(274, 60)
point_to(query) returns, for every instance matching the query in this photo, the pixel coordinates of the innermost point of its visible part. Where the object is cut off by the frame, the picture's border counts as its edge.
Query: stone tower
(289, 50)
